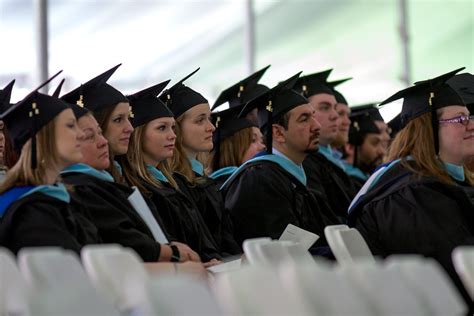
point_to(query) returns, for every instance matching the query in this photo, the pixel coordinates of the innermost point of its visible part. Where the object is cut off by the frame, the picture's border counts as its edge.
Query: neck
(150, 161)
(190, 153)
(296, 157)
(51, 175)
(451, 160)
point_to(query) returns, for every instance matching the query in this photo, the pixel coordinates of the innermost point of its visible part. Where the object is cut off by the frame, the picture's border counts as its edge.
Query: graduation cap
(395, 125)
(312, 84)
(180, 98)
(78, 110)
(463, 84)
(362, 123)
(5, 95)
(243, 91)
(273, 104)
(96, 94)
(427, 96)
(339, 97)
(25, 118)
(370, 108)
(146, 105)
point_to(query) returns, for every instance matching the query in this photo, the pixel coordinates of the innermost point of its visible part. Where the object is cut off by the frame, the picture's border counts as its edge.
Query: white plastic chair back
(181, 295)
(60, 284)
(120, 273)
(278, 252)
(334, 241)
(325, 289)
(383, 288)
(257, 290)
(463, 260)
(430, 283)
(14, 292)
(252, 250)
(349, 246)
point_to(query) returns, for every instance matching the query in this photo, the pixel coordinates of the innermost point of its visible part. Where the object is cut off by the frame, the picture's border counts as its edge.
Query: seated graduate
(365, 150)
(34, 206)
(269, 192)
(8, 156)
(95, 189)
(421, 202)
(343, 111)
(145, 166)
(386, 131)
(236, 140)
(323, 167)
(194, 132)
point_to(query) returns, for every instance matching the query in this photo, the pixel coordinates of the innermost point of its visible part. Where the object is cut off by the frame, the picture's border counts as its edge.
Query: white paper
(299, 235)
(139, 204)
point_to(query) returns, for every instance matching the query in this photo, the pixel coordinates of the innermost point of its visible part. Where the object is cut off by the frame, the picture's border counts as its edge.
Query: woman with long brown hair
(421, 202)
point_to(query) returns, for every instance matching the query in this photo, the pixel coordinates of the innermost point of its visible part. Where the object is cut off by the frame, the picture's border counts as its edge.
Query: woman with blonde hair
(145, 166)
(421, 202)
(34, 205)
(194, 132)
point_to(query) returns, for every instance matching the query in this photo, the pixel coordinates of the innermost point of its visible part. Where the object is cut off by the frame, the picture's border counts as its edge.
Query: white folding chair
(463, 260)
(384, 289)
(252, 250)
(14, 292)
(278, 252)
(118, 272)
(430, 283)
(60, 284)
(182, 295)
(257, 290)
(347, 244)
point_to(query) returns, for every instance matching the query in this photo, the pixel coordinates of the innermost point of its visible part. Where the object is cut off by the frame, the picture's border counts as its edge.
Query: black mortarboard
(146, 106)
(339, 97)
(395, 125)
(25, 118)
(371, 108)
(316, 83)
(96, 94)
(180, 98)
(362, 123)
(79, 111)
(463, 84)
(243, 91)
(5, 95)
(273, 104)
(427, 96)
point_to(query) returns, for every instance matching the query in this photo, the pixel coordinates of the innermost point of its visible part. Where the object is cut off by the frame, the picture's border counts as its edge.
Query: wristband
(175, 255)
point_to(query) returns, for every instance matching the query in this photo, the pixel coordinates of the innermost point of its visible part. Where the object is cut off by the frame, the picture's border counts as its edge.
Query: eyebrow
(327, 103)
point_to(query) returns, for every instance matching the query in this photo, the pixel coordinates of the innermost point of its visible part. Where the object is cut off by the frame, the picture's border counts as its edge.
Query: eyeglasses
(463, 119)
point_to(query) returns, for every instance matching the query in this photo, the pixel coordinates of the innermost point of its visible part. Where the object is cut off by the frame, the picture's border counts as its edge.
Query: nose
(316, 125)
(333, 115)
(172, 135)
(210, 127)
(128, 127)
(102, 141)
(470, 125)
(80, 134)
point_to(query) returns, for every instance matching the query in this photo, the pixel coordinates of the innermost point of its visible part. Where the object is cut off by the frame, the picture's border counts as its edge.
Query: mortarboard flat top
(228, 122)
(243, 91)
(339, 97)
(5, 96)
(463, 84)
(96, 94)
(312, 84)
(362, 123)
(180, 98)
(146, 106)
(425, 96)
(371, 108)
(25, 118)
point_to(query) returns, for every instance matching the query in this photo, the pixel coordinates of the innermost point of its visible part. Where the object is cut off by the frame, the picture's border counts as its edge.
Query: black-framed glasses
(462, 119)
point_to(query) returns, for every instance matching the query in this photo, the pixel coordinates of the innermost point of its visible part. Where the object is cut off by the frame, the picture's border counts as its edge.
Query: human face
(158, 140)
(371, 152)
(119, 129)
(343, 123)
(197, 129)
(456, 141)
(67, 138)
(256, 146)
(325, 111)
(94, 146)
(302, 135)
(2, 143)
(384, 132)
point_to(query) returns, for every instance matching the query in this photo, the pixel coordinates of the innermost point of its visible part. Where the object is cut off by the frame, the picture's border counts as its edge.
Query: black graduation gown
(357, 182)
(40, 220)
(404, 213)
(112, 213)
(263, 198)
(182, 220)
(325, 177)
(209, 202)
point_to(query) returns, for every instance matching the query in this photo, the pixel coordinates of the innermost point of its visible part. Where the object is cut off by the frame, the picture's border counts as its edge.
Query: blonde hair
(416, 140)
(134, 166)
(21, 173)
(231, 150)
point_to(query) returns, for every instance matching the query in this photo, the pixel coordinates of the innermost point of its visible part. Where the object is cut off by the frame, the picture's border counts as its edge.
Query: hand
(211, 263)
(186, 253)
